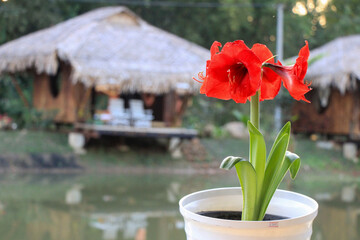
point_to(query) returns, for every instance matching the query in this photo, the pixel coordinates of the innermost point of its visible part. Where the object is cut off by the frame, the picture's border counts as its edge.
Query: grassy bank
(113, 151)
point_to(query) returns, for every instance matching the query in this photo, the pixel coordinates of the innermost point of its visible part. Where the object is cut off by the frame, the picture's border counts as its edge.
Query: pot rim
(311, 203)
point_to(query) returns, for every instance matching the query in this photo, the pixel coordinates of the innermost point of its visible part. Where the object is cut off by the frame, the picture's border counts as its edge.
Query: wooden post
(181, 103)
(19, 91)
(169, 108)
(82, 104)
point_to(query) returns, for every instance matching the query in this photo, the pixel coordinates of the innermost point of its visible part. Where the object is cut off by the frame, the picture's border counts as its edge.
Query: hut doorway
(55, 82)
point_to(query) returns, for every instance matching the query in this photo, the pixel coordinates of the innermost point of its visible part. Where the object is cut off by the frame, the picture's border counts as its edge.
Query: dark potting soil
(236, 215)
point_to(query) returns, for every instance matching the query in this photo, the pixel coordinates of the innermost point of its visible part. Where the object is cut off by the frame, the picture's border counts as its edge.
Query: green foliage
(20, 17)
(228, 23)
(248, 180)
(255, 23)
(17, 18)
(206, 110)
(257, 157)
(25, 141)
(240, 116)
(259, 182)
(230, 161)
(273, 168)
(35, 119)
(219, 132)
(210, 110)
(12, 105)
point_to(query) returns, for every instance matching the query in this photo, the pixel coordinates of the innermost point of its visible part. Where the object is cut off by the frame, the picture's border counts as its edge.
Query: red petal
(291, 81)
(271, 82)
(214, 48)
(263, 53)
(293, 76)
(232, 49)
(216, 83)
(203, 79)
(304, 51)
(247, 84)
(238, 52)
(301, 62)
(270, 85)
(234, 73)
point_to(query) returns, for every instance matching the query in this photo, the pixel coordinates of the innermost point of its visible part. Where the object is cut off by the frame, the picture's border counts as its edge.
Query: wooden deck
(128, 131)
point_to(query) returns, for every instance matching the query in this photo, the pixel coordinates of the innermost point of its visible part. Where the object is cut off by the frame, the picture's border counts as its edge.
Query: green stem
(255, 110)
(252, 210)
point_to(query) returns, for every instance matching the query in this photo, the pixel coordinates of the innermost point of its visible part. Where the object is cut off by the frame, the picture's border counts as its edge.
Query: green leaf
(294, 161)
(257, 196)
(230, 161)
(285, 130)
(273, 170)
(257, 157)
(247, 177)
(291, 160)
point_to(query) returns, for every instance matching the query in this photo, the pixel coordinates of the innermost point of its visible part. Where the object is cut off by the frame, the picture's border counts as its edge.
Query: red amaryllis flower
(270, 82)
(233, 73)
(202, 79)
(293, 76)
(237, 72)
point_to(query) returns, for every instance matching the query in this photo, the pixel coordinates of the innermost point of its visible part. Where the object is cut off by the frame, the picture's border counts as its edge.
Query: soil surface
(236, 215)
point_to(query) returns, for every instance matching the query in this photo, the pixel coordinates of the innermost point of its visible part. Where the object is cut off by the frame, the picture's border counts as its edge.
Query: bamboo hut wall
(341, 116)
(70, 105)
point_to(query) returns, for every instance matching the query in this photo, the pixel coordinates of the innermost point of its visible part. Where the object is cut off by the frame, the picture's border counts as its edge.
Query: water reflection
(339, 216)
(79, 207)
(134, 225)
(73, 195)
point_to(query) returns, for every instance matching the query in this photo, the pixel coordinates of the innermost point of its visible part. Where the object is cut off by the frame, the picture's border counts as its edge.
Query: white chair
(140, 116)
(119, 115)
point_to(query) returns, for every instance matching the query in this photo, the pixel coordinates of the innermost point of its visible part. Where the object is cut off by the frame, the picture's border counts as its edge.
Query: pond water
(141, 207)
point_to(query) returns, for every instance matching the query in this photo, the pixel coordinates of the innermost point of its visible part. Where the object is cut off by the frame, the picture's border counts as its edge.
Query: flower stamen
(201, 77)
(268, 60)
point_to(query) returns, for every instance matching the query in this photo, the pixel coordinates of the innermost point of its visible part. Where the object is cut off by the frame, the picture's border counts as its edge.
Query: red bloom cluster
(238, 72)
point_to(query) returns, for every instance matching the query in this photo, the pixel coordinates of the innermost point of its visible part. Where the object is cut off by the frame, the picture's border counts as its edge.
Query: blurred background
(103, 129)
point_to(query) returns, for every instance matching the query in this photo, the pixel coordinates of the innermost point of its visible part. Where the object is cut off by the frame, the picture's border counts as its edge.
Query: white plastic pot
(299, 210)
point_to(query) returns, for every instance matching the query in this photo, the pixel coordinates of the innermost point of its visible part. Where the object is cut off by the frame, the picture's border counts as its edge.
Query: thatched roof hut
(336, 64)
(334, 72)
(110, 45)
(110, 48)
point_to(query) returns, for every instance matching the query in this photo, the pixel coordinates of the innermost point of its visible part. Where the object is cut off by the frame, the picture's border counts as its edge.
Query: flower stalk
(255, 110)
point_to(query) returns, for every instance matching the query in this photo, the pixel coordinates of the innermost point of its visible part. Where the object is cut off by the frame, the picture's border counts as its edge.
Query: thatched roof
(113, 46)
(336, 63)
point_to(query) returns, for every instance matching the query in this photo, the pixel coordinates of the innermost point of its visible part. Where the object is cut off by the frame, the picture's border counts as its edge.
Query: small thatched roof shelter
(110, 45)
(110, 50)
(334, 72)
(336, 64)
